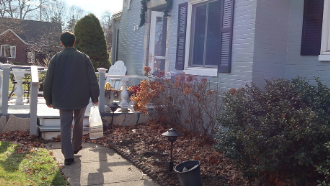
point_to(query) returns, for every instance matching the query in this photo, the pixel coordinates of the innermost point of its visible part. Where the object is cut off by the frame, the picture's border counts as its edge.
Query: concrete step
(50, 133)
(55, 129)
(50, 121)
(49, 126)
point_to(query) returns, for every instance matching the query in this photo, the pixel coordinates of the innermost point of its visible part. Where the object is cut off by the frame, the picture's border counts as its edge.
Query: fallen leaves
(145, 143)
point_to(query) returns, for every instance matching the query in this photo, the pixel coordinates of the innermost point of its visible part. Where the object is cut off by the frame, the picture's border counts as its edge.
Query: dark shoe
(68, 161)
(76, 151)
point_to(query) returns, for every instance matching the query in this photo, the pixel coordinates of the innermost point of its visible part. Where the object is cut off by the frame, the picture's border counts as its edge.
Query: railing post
(34, 100)
(5, 88)
(1, 80)
(101, 85)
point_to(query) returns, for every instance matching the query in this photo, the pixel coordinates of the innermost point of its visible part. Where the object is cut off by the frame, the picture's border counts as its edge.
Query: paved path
(98, 165)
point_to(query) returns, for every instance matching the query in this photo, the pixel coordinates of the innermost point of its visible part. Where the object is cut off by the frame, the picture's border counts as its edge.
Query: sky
(97, 7)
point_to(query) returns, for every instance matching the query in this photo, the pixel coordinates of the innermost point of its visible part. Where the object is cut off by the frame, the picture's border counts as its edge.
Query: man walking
(70, 83)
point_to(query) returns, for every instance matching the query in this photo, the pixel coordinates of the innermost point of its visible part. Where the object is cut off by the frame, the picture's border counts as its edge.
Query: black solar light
(113, 107)
(172, 136)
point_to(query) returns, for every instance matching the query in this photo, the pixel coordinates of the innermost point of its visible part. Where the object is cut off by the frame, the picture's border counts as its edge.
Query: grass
(28, 166)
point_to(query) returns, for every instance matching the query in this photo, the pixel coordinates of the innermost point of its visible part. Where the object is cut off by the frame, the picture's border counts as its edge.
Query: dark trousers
(66, 117)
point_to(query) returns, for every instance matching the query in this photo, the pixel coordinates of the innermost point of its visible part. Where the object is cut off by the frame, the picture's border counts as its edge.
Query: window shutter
(226, 36)
(181, 40)
(312, 27)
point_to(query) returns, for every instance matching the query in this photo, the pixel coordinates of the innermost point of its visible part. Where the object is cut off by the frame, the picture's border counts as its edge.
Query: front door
(157, 43)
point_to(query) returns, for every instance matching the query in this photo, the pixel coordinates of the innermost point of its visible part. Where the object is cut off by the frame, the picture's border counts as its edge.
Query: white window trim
(325, 39)
(9, 49)
(202, 71)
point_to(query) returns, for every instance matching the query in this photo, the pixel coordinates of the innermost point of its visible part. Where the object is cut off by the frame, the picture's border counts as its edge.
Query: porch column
(5, 88)
(1, 78)
(34, 100)
(101, 85)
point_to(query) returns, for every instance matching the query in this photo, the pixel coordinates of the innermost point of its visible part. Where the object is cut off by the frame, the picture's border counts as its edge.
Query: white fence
(4, 89)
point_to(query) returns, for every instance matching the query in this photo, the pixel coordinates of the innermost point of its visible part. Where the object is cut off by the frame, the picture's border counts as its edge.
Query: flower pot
(111, 96)
(191, 176)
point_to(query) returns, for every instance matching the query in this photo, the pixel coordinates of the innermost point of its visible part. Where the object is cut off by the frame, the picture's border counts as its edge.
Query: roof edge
(14, 34)
(117, 15)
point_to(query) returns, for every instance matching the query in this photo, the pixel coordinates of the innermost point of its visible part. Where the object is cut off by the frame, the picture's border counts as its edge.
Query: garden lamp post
(113, 107)
(172, 136)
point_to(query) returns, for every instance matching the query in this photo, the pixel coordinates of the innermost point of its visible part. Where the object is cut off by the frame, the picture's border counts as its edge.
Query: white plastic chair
(118, 68)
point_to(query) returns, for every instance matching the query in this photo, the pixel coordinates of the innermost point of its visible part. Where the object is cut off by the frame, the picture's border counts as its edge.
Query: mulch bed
(147, 149)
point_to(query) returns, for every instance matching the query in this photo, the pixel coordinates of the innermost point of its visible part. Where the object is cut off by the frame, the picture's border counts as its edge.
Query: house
(28, 41)
(233, 42)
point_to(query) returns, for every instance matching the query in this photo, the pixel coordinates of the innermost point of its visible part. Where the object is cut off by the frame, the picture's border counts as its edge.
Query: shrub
(281, 129)
(90, 39)
(185, 100)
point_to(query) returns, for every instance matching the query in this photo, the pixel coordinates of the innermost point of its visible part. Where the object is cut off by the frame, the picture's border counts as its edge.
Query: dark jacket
(70, 80)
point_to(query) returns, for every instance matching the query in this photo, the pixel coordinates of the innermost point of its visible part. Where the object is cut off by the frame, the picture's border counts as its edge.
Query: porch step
(51, 121)
(49, 126)
(55, 129)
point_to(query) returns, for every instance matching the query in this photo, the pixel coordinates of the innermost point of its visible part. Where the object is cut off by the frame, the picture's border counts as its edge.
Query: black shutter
(312, 28)
(226, 36)
(181, 40)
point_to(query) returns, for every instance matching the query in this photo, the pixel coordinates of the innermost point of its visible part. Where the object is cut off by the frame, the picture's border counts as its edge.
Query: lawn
(25, 165)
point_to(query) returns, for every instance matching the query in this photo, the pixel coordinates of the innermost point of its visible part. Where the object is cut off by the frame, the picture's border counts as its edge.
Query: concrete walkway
(98, 165)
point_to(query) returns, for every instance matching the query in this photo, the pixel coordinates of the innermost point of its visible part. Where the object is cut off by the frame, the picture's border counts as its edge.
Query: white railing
(34, 100)
(4, 81)
(4, 89)
(101, 86)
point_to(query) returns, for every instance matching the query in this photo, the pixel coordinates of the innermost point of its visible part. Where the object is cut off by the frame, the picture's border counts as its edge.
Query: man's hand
(95, 103)
(50, 106)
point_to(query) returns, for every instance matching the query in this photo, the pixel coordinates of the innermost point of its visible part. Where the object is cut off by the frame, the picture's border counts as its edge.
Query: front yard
(23, 161)
(278, 135)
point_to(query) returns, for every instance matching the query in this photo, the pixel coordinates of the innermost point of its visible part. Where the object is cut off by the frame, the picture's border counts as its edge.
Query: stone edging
(163, 181)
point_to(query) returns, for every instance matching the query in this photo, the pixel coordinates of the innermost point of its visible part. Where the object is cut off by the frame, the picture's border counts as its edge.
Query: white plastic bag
(95, 123)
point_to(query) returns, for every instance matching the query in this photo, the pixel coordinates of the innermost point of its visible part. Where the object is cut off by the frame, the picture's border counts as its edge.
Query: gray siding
(306, 66)
(266, 43)
(278, 43)
(243, 44)
(131, 42)
(270, 40)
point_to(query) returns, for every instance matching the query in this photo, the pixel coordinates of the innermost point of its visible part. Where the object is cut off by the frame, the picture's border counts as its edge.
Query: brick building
(28, 41)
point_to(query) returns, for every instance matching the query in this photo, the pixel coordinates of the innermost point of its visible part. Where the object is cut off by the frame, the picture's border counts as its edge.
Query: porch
(45, 121)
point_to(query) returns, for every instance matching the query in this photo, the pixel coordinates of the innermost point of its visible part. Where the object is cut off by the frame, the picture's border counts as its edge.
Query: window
(8, 51)
(312, 27)
(204, 44)
(205, 38)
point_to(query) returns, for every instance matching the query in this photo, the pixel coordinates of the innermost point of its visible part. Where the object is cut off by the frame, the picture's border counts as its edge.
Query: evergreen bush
(282, 129)
(90, 39)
